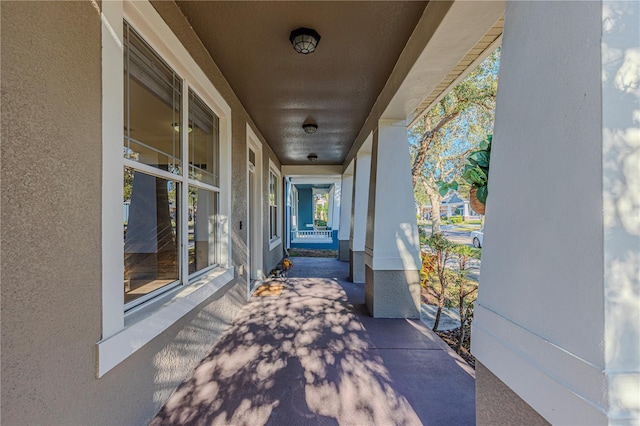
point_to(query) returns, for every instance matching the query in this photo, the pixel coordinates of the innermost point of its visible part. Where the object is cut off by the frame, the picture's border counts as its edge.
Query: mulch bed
(452, 337)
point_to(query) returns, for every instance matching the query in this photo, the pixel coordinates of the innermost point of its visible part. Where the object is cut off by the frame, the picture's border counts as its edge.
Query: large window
(169, 241)
(274, 206)
(170, 187)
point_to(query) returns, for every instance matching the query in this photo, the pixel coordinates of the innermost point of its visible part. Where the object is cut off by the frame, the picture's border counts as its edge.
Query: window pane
(273, 206)
(273, 220)
(152, 93)
(151, 258)
(272, 189)
(203, 142)
(202, 216)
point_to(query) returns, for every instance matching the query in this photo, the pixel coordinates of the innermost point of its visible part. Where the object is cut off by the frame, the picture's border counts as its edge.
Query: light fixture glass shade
(176, 127)
(304, 40)
(310, 128)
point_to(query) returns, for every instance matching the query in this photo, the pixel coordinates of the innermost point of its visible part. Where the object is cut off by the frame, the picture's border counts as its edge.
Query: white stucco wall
(52, 310)
(540, 323)
(621, 196)
(360, 201)
(392, 241)
(346, 196)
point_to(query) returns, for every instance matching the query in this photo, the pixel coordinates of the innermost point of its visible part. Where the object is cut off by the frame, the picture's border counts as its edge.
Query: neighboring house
(452, 205)
(191, 114)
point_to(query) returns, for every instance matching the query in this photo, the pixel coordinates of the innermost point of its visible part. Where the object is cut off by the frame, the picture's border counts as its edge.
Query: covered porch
(566, 119)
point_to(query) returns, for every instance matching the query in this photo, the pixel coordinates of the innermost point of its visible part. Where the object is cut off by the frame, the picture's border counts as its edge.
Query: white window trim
(275, 242)
(255, 219)
(123, 335)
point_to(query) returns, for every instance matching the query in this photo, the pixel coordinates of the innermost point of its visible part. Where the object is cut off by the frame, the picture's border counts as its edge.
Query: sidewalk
(449, 319)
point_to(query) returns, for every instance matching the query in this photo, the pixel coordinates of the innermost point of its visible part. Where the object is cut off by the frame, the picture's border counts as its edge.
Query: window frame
(277, 240)
(124, 333)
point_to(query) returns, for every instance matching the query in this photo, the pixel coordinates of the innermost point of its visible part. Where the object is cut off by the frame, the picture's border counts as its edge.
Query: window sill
(275, 243)
(147, 322)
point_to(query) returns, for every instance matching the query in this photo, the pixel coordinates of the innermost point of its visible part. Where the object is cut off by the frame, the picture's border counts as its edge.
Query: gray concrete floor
(314, 356)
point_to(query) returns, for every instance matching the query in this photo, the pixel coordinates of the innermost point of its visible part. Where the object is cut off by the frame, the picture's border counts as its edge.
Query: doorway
(254, 212)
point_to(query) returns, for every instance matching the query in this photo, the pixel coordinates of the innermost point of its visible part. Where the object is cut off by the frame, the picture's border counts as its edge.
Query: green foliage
(456, 219)
(441, 141)
(450, 284)
(461, 250)
(439, 244)
(319, 222)
(445, 187)
(422, 233)
(476, 170)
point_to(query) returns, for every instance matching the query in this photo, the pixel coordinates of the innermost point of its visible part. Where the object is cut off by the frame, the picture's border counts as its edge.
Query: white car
(476, 237)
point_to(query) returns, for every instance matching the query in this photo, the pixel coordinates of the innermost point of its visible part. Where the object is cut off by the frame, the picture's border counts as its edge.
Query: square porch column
(362, 170)
(556, 326)
(344, 232)
(392, 248)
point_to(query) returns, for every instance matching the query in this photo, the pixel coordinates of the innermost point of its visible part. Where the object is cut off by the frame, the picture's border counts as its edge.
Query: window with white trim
(161, 231)
(275, 200)
(173, 174)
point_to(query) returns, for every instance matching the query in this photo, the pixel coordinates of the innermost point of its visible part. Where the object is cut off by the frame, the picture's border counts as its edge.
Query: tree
(441, 248)
(464, 286)
(445, 162)
(441, 140)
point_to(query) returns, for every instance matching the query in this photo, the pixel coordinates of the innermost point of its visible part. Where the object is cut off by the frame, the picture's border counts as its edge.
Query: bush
(456, 219)
(319, 222)
(423, 234)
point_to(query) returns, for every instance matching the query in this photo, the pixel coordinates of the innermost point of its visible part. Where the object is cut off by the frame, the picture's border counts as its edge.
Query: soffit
(481, 50)
(335, 87)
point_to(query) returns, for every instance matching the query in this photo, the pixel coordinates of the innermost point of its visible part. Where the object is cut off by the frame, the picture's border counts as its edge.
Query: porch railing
(311, 235)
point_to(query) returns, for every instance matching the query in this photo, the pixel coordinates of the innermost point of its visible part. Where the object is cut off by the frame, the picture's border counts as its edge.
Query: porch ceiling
(335, 87)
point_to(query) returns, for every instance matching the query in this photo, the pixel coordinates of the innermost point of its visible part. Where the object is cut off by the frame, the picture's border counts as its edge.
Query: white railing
(311, 235)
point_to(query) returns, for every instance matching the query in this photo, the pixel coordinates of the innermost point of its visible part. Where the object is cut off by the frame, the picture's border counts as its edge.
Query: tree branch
(425, 144)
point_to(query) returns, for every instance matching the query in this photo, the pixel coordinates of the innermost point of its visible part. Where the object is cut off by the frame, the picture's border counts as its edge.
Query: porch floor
(313, 355)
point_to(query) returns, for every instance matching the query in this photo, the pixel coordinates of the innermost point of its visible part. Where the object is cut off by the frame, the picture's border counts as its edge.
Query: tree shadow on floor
(301, 358)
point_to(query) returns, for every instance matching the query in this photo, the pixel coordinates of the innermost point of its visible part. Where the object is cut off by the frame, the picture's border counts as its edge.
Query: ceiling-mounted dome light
(312, 158)
(304, 40)
(310, 128)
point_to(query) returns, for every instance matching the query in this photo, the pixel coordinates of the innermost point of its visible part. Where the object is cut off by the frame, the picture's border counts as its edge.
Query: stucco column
(621, 206)
(362, 170)
(557, 318)
(344, 232)
(465, 210)
(330, 208)
(392, 249)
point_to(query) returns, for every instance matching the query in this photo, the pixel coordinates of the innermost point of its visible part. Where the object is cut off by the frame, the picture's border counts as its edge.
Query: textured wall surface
(496, 404)
(51, 229)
